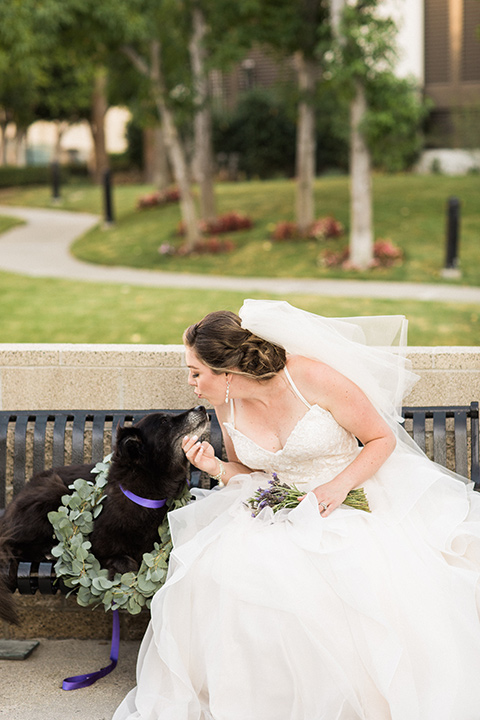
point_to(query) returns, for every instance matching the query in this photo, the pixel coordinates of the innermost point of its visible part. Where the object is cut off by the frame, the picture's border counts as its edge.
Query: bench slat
(419, 429)
(98, 431)
(19, 457)
(78, 439)
(4, 420)
(58, 453)
(461, 457)
(439, 437)
(475, 446)
(39, 436)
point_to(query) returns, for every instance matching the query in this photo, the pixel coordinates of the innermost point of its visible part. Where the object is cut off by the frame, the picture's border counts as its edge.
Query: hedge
(32, 175)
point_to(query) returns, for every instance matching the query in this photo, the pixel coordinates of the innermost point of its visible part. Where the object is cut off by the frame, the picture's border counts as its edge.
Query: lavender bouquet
(279, 495)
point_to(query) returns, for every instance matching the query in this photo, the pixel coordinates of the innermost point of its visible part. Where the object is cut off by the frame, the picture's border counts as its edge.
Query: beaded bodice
(317, 449)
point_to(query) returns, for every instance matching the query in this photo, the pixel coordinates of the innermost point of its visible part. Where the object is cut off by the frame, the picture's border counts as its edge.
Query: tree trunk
(3, 142)
(306, 145)
(175, 152)
(97, 124)
(20, 146)
(361, 214)
(173, 143)
(203, 154)
(60, 128)
(156, 170)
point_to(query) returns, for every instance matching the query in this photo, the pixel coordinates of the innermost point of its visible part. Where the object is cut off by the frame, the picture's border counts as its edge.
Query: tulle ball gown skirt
(292, 616)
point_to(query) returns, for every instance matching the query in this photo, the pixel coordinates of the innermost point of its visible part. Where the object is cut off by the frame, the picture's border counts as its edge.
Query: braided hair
(221, 343)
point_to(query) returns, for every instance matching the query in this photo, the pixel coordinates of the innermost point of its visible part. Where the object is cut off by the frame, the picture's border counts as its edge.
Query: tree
(365, 50)
(152, 70)
(64, 90)
(297, 29)
(203, 154)
(25, 39)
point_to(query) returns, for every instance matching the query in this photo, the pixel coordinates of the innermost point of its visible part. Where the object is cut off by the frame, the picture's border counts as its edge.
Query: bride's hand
(329, 496)
(200, 454)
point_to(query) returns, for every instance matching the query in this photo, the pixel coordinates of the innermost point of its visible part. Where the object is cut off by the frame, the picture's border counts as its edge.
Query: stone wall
(117, 377)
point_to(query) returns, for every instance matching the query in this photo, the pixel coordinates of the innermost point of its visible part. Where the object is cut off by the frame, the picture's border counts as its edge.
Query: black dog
(148, 461)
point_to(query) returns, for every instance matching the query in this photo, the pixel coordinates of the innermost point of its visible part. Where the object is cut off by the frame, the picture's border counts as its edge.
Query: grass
(8, 222)
(49, 310)
(408, 209)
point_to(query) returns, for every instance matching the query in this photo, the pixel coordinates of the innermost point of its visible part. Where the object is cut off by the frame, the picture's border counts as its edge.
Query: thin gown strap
(295, 389)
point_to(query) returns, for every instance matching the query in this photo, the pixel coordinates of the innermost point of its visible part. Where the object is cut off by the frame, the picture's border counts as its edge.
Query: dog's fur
(148, 460)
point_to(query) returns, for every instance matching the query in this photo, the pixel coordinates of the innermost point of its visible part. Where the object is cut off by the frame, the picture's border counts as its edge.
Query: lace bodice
(317, 449)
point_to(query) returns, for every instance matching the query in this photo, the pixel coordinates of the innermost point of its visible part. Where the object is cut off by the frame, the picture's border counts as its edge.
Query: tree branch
(136, 59)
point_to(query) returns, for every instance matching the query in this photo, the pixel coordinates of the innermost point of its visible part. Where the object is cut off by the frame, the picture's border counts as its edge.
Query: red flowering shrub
(322, 229)
(229, 222)
(285, 230)
(157, 198)
(385, 254)
(208, 246)
(332, 259)
(325, 228)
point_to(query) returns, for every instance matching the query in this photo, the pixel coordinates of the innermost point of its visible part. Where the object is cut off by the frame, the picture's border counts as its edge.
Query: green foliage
(17, 176)
(392, 125)
(27, 35)
(287, 26)
(262, 134)
(73, 522)
(134, 144)
(365, 52)
(365, 44)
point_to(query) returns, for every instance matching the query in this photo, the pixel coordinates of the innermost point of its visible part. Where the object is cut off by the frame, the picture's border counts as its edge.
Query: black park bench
(33, 441)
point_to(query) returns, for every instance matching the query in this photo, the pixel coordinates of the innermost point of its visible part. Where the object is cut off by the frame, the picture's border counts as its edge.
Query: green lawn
(8, 222)
(43, 311)
(409, 209)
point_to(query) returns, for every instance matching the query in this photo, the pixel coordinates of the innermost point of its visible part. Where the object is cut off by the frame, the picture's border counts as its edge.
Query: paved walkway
(31, 689)
(40, 248)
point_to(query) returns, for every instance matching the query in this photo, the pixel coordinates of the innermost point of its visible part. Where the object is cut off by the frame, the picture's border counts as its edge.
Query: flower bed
(160, 197)
(228, 222)
(385, 254)
(324, 228)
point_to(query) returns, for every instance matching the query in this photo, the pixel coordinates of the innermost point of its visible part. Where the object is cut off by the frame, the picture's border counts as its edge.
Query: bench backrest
(33, 441)
(448, 435)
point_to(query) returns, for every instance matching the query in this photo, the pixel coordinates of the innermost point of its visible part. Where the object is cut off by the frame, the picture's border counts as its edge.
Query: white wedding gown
(292, 616)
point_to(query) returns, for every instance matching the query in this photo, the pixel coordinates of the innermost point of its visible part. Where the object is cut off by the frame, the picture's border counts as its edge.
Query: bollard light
(108, 200)
(55, 173)
(451, 268)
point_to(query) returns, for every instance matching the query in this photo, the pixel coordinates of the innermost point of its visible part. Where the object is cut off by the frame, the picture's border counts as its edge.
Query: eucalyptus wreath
(79, 568)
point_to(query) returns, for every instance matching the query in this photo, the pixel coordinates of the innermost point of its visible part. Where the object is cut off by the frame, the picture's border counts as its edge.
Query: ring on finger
(323, 505)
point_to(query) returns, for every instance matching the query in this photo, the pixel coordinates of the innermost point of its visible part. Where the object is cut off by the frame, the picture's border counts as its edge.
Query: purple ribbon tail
(80, 681)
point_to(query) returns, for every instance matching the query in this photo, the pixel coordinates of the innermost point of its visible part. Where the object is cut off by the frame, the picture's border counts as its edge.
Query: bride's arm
(352, 410)
(202, 454)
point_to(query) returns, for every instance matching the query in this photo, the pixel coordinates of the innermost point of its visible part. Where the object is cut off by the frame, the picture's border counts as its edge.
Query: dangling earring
(227, 392)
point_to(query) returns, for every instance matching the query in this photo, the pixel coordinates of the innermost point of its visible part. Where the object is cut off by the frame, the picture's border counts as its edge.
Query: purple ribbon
(144, 502)
(80, 681)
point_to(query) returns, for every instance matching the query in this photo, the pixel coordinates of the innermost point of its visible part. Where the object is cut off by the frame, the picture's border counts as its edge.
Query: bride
(324, 611)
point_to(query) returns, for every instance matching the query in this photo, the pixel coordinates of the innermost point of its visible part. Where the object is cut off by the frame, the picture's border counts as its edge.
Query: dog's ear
(129, 442)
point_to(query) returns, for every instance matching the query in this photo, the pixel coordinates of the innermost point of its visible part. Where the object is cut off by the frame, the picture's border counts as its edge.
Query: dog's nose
(200, 408)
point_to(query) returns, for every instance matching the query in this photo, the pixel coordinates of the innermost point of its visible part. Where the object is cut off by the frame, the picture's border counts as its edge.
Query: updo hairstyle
(221, 343)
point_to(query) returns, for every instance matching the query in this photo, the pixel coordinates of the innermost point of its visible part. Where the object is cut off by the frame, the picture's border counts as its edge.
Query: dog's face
(149, 455)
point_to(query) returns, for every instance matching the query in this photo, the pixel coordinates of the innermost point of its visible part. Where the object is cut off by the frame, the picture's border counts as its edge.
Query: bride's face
(208, 385)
